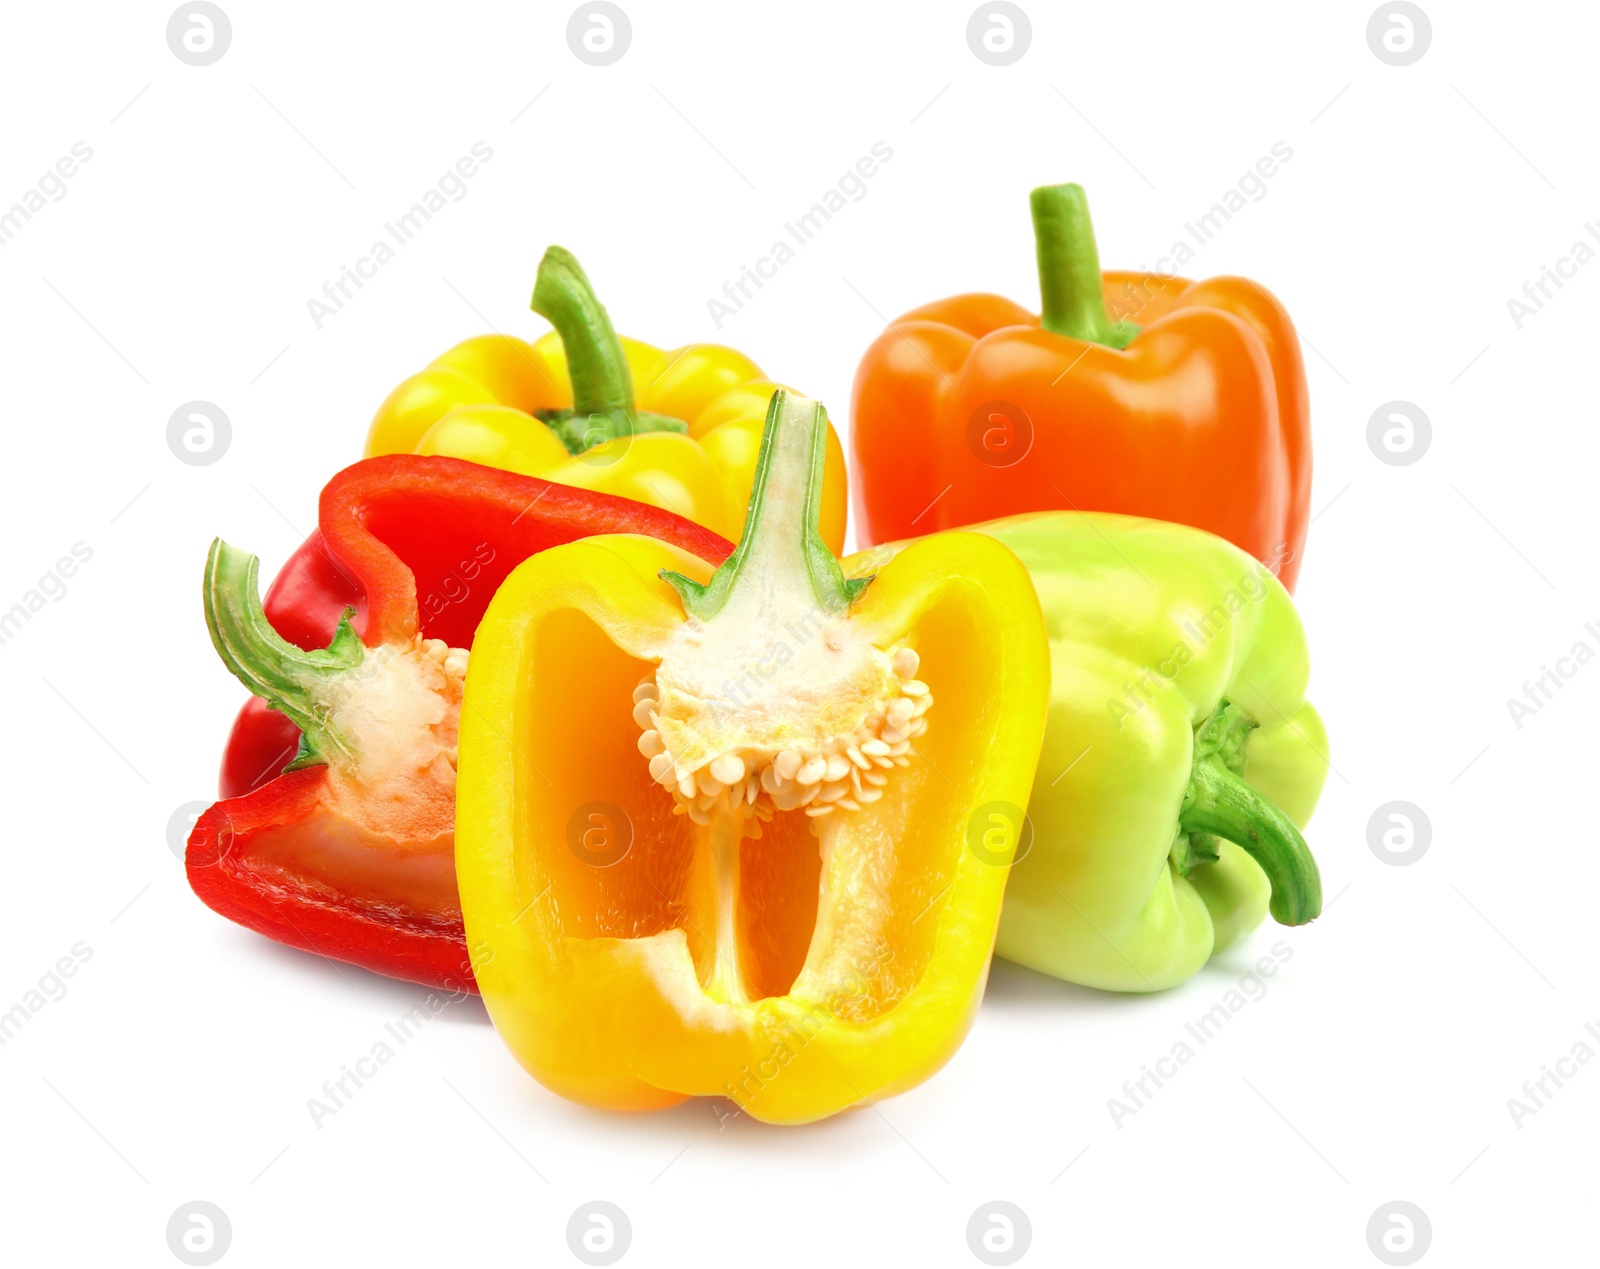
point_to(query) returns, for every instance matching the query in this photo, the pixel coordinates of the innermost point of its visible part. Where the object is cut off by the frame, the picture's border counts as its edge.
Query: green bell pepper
(1180, 756)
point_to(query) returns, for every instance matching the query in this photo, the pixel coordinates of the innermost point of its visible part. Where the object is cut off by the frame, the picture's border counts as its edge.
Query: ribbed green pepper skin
(1098, 899)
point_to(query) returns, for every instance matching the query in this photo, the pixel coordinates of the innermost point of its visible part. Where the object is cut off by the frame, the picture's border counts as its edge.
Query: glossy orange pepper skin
(967, 409)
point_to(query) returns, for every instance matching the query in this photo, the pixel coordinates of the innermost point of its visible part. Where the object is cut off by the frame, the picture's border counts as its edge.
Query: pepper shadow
(1016, 987)
(392, 992)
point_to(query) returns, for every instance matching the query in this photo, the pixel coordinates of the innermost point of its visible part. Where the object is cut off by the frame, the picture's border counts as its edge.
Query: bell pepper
(678, 428)
(749, 870)
(973, 407)
(1180, 759)
(336, 829)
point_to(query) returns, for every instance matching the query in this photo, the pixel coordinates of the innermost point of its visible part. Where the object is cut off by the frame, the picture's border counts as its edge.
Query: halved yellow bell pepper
(678, 429)
(745, 833)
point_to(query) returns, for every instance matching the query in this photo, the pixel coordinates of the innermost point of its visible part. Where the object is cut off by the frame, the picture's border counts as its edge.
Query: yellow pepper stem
(602, 389)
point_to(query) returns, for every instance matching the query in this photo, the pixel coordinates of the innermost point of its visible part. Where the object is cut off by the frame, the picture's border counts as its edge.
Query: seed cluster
(454, 663)
(454, 660)
(846, 774)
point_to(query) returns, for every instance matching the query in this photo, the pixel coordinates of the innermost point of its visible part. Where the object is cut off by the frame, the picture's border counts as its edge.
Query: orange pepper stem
(602, 388)
(1069, 268)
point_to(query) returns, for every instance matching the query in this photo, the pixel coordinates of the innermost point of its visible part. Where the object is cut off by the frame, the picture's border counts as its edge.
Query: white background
(178, 266)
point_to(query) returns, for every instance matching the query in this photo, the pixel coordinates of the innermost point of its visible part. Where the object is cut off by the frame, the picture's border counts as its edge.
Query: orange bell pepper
(745, 833)
(972, 408)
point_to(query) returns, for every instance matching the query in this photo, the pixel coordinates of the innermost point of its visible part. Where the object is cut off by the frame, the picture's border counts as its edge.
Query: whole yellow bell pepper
(745, 833)
(678, 429)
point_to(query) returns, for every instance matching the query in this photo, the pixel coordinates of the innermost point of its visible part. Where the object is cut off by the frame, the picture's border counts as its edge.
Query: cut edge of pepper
(321, 691)
(766, 755)
(285, 676)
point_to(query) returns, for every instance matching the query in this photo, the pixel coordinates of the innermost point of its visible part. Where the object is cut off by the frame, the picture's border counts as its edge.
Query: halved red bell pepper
(336, 830)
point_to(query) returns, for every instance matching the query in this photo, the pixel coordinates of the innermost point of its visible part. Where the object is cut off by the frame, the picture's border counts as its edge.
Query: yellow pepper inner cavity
(641, 937)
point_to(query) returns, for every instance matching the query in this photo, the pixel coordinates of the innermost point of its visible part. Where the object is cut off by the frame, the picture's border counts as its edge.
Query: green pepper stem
(781, 543)
(602, 386)
(596, 364)
(1221, 803)
(1069, 268)
(290, 679)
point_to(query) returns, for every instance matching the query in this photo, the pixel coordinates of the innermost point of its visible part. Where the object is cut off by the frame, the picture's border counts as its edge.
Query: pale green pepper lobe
(1154, 626)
